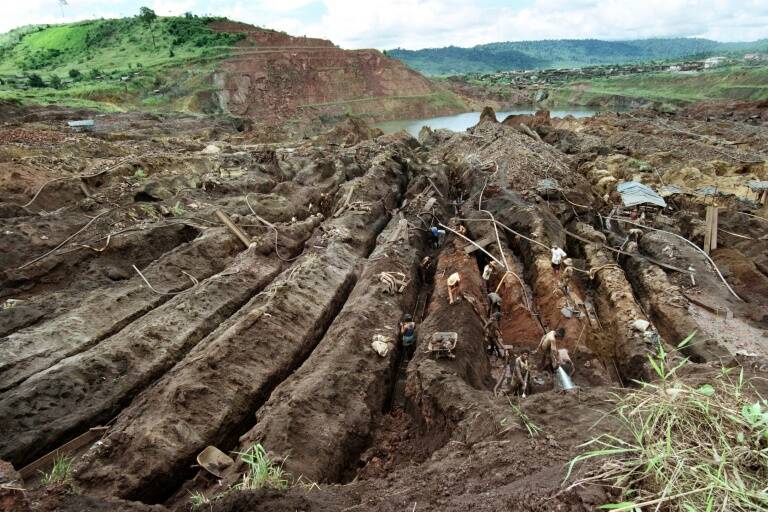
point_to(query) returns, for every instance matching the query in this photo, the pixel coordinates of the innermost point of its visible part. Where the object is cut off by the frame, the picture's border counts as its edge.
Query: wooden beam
(49, 458)
(480, 244)
(708, 230)
(239, 233)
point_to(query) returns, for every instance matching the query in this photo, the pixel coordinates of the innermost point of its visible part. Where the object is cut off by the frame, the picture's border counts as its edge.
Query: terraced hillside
(211, 65)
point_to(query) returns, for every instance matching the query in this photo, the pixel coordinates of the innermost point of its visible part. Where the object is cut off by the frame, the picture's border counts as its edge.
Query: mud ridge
(195, 404)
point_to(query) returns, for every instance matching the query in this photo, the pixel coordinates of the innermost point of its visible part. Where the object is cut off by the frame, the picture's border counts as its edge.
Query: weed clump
(685, 448)
(261, 473)
(60, 473)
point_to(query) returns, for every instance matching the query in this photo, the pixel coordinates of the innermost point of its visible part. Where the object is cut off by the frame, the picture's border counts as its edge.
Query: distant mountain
(561, 53)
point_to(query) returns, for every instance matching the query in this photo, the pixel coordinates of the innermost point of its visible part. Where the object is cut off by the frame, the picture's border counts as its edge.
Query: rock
(211, 149)
(488, 115)
(8, 474)
(425, 134)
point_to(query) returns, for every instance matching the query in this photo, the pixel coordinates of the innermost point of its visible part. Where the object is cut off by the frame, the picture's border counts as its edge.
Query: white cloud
(418, 24)
(429, 23)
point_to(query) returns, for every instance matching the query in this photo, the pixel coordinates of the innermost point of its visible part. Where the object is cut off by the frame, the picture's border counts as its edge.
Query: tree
(148, 17)
(55, 82)
(35, 80)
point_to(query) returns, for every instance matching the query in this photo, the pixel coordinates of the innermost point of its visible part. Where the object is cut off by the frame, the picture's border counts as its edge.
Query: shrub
(55, 82)
(75, 73)
(35, 80)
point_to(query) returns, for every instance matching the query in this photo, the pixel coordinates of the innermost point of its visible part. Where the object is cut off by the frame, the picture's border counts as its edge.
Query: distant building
(713, 62)
(753, 57)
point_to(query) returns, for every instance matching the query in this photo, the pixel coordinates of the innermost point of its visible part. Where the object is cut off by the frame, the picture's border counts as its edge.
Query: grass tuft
(262, 472)
(684, 447)
(60, 473)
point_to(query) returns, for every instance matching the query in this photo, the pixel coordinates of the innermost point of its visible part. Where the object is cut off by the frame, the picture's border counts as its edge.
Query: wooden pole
(713, 244)
(239, 233)
(708, 230)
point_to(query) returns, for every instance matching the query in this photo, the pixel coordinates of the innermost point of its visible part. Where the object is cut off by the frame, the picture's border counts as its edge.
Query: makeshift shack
(639, 198)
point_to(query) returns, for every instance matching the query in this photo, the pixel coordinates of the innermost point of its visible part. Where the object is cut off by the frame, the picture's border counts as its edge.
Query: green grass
(683, 447)
(121, 62)
(735, 82)
(262, 472)
(61, 471)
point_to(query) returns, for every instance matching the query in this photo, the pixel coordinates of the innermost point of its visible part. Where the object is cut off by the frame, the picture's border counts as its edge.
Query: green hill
(114, 61)
(562, 53)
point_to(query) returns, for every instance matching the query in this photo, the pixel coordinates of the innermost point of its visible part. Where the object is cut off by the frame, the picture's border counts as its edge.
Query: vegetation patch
(128, 62)
(685, 447)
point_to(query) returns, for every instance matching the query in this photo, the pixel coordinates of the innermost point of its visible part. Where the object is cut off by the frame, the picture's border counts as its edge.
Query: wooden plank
(713, 243)
(48, 459)
(233, 228)
(482, 243)
(708, 230)
(710, 307)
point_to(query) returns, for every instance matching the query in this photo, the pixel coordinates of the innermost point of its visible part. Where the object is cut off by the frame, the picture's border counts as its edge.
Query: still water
(461, 122)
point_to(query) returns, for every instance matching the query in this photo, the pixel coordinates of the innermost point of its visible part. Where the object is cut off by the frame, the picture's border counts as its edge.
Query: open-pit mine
(181, 303)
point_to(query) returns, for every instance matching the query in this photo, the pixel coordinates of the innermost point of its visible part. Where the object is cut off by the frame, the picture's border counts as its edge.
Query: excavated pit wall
(209, 396)
(538, 223)
(87, 389)
(668, 308)
(617, 309)
(322, 417)
(434, 387)
(106, 311)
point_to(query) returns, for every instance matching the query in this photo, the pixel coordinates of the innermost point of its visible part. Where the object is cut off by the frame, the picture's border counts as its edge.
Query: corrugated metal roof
(634, 193)
(81, 123)
(670, 190)
(758, 185)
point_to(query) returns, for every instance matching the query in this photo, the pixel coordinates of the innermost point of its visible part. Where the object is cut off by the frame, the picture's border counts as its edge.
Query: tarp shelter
(634, 194)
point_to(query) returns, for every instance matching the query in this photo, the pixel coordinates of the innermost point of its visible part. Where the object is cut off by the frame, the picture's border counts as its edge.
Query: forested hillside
(559, 53)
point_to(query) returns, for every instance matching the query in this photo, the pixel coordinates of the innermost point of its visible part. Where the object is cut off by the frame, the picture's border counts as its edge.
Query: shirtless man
(550, 357)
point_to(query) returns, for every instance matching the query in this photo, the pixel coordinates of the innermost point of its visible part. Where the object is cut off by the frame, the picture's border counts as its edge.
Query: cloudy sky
(385, 24)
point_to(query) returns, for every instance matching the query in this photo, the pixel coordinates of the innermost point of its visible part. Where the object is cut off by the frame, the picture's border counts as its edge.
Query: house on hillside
(713, 62)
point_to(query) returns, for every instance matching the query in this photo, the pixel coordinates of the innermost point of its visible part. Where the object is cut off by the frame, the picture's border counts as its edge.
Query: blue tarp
(634, 193)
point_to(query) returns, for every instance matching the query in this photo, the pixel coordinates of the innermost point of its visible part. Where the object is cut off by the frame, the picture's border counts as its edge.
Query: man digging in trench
(550, 356)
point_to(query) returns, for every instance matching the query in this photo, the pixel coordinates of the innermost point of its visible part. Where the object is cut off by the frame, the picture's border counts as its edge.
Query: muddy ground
(128, 303)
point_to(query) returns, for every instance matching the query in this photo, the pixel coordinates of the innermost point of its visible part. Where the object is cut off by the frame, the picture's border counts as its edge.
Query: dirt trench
(618, 310)
(321, 418)
(81, 265)
(106, 311)
(434, 387)
(49, 408)
(210, 396)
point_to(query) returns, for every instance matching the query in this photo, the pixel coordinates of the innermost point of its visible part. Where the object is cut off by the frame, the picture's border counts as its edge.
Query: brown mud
(271, 342)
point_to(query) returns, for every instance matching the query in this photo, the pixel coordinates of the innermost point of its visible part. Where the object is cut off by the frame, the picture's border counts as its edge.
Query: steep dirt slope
(272, 76)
